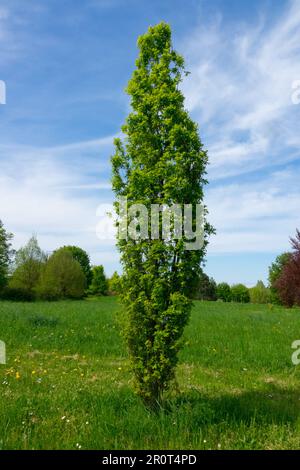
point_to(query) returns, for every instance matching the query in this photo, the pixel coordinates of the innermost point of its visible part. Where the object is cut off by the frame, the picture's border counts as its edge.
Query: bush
(99, 284)
(62, 278)
(224, 292)
(260, 294)
(240, 293)
(17, 295)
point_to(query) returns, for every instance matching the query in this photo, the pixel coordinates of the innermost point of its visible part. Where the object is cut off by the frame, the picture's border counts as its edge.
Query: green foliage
(17, 294)
(204, 288)
(275, 271)
(62, 278)
(161, 161)
(240, 293)
(114, 284)
(5, 255)
(99, 284)
(29, 263)
(83, 259)
(260, 294)
(224, 292)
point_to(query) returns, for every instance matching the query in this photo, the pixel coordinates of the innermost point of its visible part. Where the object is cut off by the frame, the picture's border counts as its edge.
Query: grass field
(66, 384)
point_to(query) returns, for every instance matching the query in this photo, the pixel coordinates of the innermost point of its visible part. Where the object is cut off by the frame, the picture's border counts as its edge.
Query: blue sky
(66, 64)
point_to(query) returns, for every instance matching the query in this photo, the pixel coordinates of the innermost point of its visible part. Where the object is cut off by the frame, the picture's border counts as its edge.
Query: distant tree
(204, 288)
(260, 294)
(62, 278)
(114, 284)
(275, 271)
(224, 292)
(29, 263)
(99, 284)
(83, 259)
(240, 293)
(288, 283)
(6, 253)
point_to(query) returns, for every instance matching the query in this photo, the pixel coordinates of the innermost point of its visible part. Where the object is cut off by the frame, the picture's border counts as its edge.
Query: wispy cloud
(240, 91)
(55, 192)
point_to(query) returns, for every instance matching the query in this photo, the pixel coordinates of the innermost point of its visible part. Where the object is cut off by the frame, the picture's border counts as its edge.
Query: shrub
(17, 295)
(260, 294)
(99, 284)
(240, 293)
(62, 278)
(223, 292)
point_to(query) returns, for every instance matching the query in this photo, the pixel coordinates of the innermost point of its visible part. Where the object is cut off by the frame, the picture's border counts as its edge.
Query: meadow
(67, 384)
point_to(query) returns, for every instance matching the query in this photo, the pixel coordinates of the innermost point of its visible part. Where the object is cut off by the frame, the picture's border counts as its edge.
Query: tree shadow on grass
(271, 405)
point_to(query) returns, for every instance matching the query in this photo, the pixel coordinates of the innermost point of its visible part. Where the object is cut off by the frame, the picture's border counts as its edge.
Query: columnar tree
(5, 254)
(161, 161)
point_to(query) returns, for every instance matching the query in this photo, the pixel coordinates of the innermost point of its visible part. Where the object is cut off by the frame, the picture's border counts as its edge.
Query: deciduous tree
(288, 283)
(161, 161)
(62, 278)
(5, 254)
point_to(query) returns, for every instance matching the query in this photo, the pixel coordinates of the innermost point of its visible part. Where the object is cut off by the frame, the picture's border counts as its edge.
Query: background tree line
(30, 274)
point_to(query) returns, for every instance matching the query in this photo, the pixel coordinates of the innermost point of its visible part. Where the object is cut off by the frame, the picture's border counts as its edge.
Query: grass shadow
(269, 406)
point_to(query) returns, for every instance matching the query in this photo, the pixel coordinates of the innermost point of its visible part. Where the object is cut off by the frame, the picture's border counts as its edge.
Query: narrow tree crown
(160, 161)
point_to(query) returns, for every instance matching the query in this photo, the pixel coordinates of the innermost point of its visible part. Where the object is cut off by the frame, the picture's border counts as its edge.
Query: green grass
(66, 384)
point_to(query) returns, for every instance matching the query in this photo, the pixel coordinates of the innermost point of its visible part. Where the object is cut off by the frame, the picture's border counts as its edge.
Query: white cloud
(55, 193)
(255, 216)
(240, 90)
